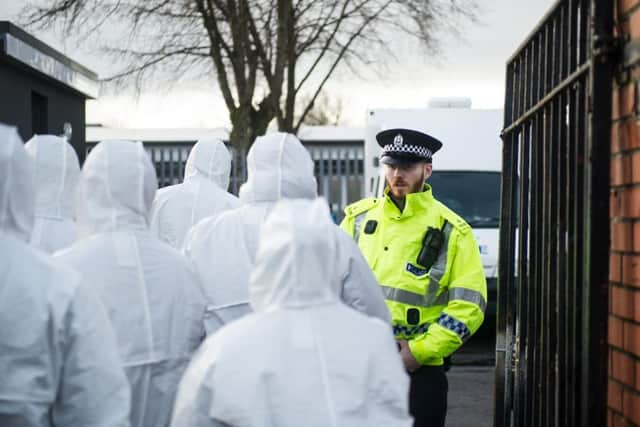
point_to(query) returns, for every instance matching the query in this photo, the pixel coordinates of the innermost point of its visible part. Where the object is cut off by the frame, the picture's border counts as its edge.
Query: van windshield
(475, 196)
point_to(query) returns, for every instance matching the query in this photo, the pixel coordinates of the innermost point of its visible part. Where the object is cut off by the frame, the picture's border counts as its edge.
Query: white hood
(116, 189)
(16, 185)
(295, 261)
(56, 174)
(209, 159)
(278, 166)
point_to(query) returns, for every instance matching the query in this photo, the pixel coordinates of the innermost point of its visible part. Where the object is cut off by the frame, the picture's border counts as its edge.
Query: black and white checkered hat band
(418, 150)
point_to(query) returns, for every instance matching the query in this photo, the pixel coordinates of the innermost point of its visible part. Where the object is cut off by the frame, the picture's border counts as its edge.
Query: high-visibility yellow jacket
(450, 297)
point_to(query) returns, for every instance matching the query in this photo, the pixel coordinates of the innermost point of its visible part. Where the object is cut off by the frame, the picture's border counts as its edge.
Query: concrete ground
(470, 398)
(471, 381)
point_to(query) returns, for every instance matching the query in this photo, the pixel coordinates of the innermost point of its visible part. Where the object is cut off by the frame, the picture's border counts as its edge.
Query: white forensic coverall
(56, 175)
(58, 357)
(222, 249)
(153, 298)
(303, 358)
(203, 193)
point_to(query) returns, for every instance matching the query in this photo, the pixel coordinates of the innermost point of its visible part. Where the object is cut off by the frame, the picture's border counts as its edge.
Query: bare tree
(263, 53)
(325, 110)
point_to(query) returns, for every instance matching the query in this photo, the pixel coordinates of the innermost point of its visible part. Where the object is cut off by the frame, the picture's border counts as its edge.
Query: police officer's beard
(418, 186)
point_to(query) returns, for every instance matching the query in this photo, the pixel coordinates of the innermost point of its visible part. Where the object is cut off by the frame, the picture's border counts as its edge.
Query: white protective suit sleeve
(154, 300)
(203, 193)
(93, 390)
(320, 364)
(58, 357)
(360, 288)
(56, 174)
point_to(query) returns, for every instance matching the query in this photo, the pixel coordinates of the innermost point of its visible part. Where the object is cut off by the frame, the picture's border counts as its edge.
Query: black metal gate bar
(523, 249)
(552, 311)
(503, 377)
(594, 364)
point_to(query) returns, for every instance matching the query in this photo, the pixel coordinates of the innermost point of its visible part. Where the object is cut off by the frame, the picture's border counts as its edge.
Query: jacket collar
(414, 203)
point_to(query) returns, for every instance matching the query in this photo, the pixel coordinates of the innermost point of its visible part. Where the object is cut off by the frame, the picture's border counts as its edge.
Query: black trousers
(428, 396)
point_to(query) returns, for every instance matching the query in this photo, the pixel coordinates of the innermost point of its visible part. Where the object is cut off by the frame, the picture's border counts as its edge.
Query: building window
(39, 115)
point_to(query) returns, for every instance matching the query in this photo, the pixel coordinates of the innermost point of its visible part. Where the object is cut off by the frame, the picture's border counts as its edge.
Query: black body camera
(431, 245)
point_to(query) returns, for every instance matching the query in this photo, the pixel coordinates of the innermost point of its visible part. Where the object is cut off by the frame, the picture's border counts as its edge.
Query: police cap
(402, 146)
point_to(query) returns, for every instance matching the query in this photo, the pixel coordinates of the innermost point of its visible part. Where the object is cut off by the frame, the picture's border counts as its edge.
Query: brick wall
(624, 271)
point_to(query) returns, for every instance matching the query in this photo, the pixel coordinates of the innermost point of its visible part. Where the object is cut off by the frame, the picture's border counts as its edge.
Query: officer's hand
(410, 362)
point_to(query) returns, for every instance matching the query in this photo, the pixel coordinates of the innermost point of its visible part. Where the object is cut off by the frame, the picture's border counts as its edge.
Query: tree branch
(345, 48)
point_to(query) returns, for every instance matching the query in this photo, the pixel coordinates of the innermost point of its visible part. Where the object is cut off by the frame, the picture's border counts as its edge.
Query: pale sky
(471, 67)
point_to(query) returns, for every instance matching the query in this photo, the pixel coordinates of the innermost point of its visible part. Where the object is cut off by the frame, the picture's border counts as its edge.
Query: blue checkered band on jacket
(418, 150)
(409, 331)
(454, 325)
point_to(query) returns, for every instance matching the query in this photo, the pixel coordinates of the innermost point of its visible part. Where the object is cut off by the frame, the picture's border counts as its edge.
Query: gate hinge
(606, 47)
(515, 355)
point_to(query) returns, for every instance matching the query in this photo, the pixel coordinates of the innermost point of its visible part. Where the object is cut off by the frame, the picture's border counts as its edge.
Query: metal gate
(551, 349)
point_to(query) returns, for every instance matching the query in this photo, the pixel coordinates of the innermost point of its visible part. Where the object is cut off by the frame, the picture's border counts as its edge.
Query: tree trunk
(242, 132)
(247, 124)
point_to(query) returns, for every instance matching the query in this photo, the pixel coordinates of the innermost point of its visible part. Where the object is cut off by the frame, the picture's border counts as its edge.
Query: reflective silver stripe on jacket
(468, 295)
(405, 297)
(358, 225)
(412, 298)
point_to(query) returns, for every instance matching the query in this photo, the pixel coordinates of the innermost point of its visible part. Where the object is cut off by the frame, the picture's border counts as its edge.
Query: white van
(466, 171)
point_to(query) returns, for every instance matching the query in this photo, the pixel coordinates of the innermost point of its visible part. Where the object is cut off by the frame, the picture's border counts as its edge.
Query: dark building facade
(41, 90)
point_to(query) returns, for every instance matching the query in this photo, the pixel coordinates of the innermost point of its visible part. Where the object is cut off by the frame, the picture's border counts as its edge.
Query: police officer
(427, 262)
